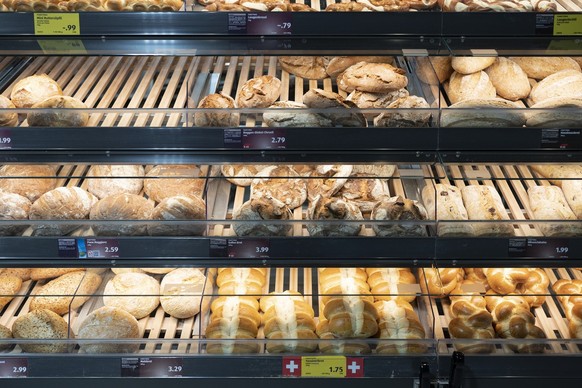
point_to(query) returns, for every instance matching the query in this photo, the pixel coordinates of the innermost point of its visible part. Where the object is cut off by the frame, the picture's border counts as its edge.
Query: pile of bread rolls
(499, 84)
(288, 6)
(498, 6)
(91, 5)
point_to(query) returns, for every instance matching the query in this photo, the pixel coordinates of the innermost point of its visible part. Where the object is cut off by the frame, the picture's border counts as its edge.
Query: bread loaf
(223, 117)
(432, 70)
(241, 174)
(338, 65)
(121, 207)
(34, 89)
(483, 203)
(372, 78)
(327, 180)
(182, 290)
(136, 293)
(241, 281)
(7, 119)
(331, 344)
(13, 207)
(164, 181)
(58, 118)
(411, 112)
(555, 113)
(5, 334)
(542, 67)
(569, 293)
(380, 170)
(293, 119)
(401, 209)
(49, 273)
(260, 92)
(178, 208)
(351, 316)
(549, 203)
(109, 323)
(255, 211)
(470, 65)
(509, 80)
(9, 288)
(352, 6)
(282, 183)
(565, 83)
(333, 209)
(398, 321)
(441, 281)
(309, 67)
(532, 283)
(62, 203)
(19, 179)
(322, 99)
(365, 100)
(22, 273)
(558, 173)
(363, 191)
(384, 283)
(386, 5)
(44, 325)
(66, 293)
(338, 281)
(444, 203)
(483, 113)
(469, 87)
(105, 180)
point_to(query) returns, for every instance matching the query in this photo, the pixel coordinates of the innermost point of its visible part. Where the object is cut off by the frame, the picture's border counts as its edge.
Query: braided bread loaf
(470, 320)
(384, 283)
(477, 276)
(570, 295)
(513, 320)
(442, 281)
(532, 283)
(398, 321)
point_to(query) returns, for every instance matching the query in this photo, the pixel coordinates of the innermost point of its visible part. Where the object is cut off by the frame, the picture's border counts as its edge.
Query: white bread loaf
(13, 207)
(34, 89)
(445, 203)
(7, 119)
(469, 87)
(121, 207)
(136, 293)
(27, 187)
(509, 80)
(60, 118)
(565, 83)
(549, 203)
(483, 203)
(470, 65)
(109, 323)
(114, 179)
(542, 67)
(182, 290)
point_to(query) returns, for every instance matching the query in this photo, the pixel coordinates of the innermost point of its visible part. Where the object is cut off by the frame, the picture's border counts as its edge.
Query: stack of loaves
(91, 5)
(498, 84)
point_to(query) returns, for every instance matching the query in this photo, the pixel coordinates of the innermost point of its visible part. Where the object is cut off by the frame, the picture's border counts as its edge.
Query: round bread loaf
(58, 118)
(241, 174)
(470, 65)
(164, 181)
(122, 207)
(509, 80)
(62, 203)
(578, 60)
(49, 273)
(5, 334)
(7, 119)
(66, 293)
(405, 118)
(260, 92)
(9, 287)
(109, 323)
(111, 179)
(13, 207)
(181, 292)
(273, 118)
(180, 207)
(28, 187)
(333, 209)
(45, 325)
(136, 293)
(338, 65)
(557, 112)
(34, 89)
(470, 87)
(255, 212)
(309, 67)
(364, 100)
(322, 99)
(399, 209)
(327, 179)
(479, 113)
(281, 182)
(158, 271)
(564, 83)
(364, 191)
(432, 70)
(542, 67)
(373, 78)
(221, 119)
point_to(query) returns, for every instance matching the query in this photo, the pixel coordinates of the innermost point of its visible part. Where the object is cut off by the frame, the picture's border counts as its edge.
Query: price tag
(324, 366)
(62, 46)
(5, 138)
(260, 23)
(539, 248)
(68, 247)
(248, 248)
(568, 24)
(544, 24)
(101, 248)
(161, 367)
(56, 24)
(561, 138)
(256, 138)
(13, 367)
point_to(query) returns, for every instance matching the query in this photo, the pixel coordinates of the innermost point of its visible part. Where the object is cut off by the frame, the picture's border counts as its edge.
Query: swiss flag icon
(291, 367)
(354, 367)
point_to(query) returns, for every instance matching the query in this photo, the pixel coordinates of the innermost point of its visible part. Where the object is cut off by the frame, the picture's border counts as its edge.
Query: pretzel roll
(384, 283)
(398, 321)
(442, 281)
(332, 345)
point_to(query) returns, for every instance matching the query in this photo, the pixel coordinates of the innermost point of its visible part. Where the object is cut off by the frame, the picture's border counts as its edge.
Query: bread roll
(569, 292)
(363, 191)
(386, 5)
(338, 65)
(49, 273)
(58, 118)
(565, 83)
(292, 119)
(549, 203)
(309, 67)
(483, 113)
(372, 78)
(483, 203)
(164, 181)
(256, 211)
(182, 290)
(66, 293)
(5, 334)
(411, 112)
(13, 207)
(223, 118)
(327, 180)
(470, 65)
(44, 325)
(241, 281)
(555, 113)
(111, 179)
(62, 203)
(542, 67)
(282, 183)
(322, 99)
(260, 92)
(384, 283)
(27, 187)
(531, 283)
(7, 119)
(441, 281)
(109, 323)
(34, 89)
(335, 281)
(469, 87)
(179, 208)
(241, 174)
(398, 321)
(136, 293)
(432, 70)
(509, 80)
(444, 203)
(331, 211)
(9, 287)
(399, 209)
(331, 344)
(350, 315)
(121, 207)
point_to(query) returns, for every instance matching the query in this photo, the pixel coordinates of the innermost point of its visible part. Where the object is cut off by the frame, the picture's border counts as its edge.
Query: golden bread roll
(384, 283)
(351, 316)
(441, 281)
(332, 345)
(570, 295)
(531, 283)
(34, 89)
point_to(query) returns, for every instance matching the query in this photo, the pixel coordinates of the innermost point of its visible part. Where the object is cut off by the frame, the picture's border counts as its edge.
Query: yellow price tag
(323, 366)
(568, 24)
(56, 24)
(62, 46)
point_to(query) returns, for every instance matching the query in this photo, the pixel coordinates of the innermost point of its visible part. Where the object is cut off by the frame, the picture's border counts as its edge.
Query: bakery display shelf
(515, 46)
(136, 99)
